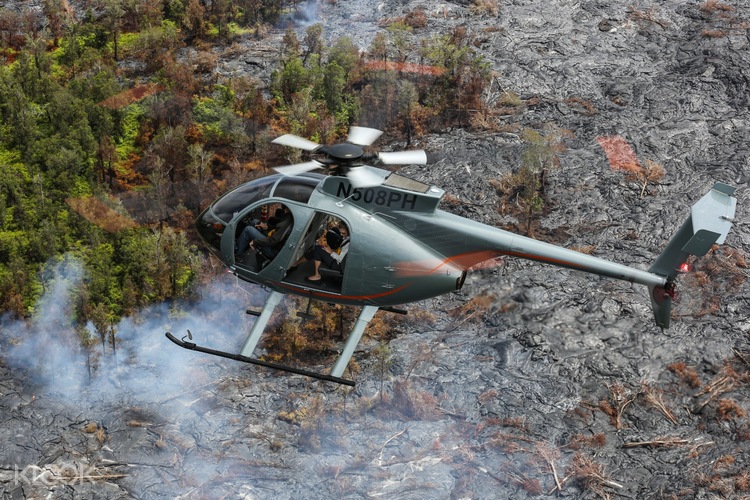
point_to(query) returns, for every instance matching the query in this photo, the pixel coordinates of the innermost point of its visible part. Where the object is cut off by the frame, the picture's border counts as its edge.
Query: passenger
(268, 243)
(325, 254)
(256, 229)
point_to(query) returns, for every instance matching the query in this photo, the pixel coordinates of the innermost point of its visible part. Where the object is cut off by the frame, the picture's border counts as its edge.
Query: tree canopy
(112, 139)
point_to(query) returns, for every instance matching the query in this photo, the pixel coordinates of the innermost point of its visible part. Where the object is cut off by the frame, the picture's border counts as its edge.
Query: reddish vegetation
(619, 153)
(130, 96)
(419, 69)
(728, 409)
(95, 211)
(686, 374)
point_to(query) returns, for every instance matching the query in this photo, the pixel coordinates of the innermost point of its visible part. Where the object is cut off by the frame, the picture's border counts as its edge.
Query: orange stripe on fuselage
(460, 261)
(466, 260)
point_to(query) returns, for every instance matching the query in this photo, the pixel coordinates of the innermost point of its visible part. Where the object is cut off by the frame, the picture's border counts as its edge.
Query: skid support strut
(359, 328)
(272, 301)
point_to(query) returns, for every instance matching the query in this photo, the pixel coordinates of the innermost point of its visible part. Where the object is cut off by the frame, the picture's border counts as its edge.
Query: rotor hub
(345, 152)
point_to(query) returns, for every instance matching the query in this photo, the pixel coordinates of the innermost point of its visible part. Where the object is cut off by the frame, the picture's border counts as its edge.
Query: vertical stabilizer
(709, 223)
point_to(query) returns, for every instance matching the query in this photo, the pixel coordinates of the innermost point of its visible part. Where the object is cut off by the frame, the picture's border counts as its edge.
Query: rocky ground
(531, 382)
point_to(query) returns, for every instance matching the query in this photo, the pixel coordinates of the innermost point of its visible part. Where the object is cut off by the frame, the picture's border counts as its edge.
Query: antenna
(340, 203)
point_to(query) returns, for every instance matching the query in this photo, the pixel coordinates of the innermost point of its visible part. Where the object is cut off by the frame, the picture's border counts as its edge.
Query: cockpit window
(235, 201)
(298, 187)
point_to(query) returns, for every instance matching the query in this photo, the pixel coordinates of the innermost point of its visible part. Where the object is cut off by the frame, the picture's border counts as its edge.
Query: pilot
(331, 257)
(268, 244)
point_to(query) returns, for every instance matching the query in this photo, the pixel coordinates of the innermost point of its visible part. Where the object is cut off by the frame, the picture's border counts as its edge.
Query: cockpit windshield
(296, 188)
(234, 201)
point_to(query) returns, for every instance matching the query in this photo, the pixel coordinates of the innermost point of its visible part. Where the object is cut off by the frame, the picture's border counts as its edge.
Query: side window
(261, 235)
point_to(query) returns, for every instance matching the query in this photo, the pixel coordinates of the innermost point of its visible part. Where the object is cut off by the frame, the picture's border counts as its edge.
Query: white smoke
(48, 352)
(47, 346)
(305, 15)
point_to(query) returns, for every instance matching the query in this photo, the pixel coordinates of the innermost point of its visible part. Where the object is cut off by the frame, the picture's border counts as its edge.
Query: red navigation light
(684, 267)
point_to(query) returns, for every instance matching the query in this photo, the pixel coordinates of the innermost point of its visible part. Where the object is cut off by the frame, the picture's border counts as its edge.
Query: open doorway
(321, 262)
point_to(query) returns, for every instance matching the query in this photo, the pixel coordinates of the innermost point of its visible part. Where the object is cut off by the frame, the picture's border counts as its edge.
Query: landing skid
(253, 361)
(246, 353)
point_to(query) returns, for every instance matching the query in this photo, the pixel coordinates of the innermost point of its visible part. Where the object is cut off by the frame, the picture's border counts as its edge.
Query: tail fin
(709, 223)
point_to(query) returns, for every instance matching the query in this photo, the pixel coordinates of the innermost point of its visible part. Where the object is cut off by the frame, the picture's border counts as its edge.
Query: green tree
(194, 20)
(526, 186)
(314, 43)
(290, 46)
(134, 251)
(66, 149)
(102, 282)
(334, 82)
(15, 286)
(400, 41)
(290, 80)
(458, 92)
(57, 18)
(100, 316)
(251, 105)
(345, 53)
(179, 261)
(72, 47)
(199, 167)
(112, 13)
(173, 10)
(93, 87)
(156, 46)
(31, 73)
(36, 44)
(18, 112)
(255, 12)
(379, 47)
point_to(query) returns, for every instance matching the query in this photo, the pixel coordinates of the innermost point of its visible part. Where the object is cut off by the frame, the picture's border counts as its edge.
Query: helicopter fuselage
(402, 247)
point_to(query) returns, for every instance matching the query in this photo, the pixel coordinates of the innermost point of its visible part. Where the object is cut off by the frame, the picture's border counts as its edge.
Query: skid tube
(192, 346)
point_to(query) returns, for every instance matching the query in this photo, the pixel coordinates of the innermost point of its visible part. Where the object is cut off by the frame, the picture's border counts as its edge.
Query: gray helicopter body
(402, 247)
(385, 242)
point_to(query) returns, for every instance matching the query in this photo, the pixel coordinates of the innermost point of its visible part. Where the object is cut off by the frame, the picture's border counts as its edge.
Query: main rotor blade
(416, 157)
(298, 168)
(364, 177)
(363, 136)
(295, 141)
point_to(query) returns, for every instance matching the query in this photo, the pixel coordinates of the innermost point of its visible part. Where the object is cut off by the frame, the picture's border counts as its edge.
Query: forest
(116, 131)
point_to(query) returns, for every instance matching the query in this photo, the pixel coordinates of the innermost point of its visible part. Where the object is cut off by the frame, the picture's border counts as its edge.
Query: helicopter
(400, 246)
